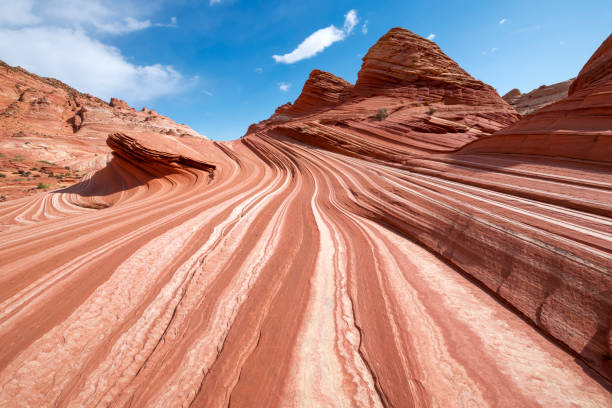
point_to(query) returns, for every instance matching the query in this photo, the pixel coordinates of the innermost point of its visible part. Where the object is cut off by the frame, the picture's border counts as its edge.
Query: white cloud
(173, 20)
(503, 20)
(350, 21)
(207, 92)
(57, 38)
(17, 13)
(283, 86)
(364, 28)
(493, 49)
(213, 2)
(319, 40)
(431, 36)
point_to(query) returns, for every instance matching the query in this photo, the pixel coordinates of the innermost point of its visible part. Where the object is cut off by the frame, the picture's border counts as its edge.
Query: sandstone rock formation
(530, 102)
(431, 104)
(43, 120)
(327, 258)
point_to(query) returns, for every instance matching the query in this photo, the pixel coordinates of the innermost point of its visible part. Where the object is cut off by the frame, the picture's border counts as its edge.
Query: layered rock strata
(45, 122)
(531, 102)
(333, 259)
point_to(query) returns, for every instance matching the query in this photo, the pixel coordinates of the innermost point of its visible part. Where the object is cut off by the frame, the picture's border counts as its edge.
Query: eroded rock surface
(44, 121)
(327, 258)
(530, 102)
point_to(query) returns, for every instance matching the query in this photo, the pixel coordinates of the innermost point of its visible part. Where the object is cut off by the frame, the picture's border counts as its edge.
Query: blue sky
(211, 65)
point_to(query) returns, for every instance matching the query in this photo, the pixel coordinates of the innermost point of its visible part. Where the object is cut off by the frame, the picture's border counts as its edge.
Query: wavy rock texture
(329, 260)
(44, 122)
(530, 102)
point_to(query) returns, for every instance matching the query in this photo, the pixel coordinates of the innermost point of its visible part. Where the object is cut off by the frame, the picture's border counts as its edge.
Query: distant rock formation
(530, 102)
(45, 120)
(430, 103)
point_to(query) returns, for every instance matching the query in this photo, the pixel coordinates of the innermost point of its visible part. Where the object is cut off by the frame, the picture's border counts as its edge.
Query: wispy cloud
(503, 20)
(207, 92)
(364, 28)
(319, 40)
(283, 86)
(431, 36)
(258, 70)
(64, 39)
(493, 49)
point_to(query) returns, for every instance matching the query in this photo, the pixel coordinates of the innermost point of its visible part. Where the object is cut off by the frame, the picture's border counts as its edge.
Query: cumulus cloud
(431, 36)
(85, 63)
(319, 40)
(58, 38)
(283, 86)
(503, 20)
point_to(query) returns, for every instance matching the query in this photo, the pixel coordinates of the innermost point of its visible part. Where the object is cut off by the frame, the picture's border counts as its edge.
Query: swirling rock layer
(332, 260)
(44, 122)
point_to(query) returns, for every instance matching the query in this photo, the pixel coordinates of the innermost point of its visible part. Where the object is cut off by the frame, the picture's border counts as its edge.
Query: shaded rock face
(530, 102)
(328, 258)
(44, 120)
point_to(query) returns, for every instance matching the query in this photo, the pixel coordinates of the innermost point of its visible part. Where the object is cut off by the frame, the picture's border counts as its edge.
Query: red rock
(530, 102)
(58, 124)
(119, 104)
(321, 90)
(328, 258)
(577, 127)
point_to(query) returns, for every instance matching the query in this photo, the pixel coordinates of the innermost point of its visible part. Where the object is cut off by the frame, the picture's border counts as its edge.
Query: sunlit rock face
(44, 122)
(544, 95)
(368, 245)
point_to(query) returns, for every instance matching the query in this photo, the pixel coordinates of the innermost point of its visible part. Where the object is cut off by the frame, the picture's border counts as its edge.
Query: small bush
(2, 197)
(2, 175)
(67, 167)
(382, 114)
(41, 185)
(46, 162)
(18, 158)
(432, 111)
(18, 179)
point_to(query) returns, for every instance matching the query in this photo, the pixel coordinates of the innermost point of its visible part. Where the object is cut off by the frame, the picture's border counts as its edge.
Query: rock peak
(321, 90)
(401, 60)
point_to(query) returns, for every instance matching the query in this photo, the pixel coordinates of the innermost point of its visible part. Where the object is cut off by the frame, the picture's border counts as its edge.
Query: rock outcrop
(528, 103)
(576, 127)
(410, 98)
(43, 120)
(341, 256)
